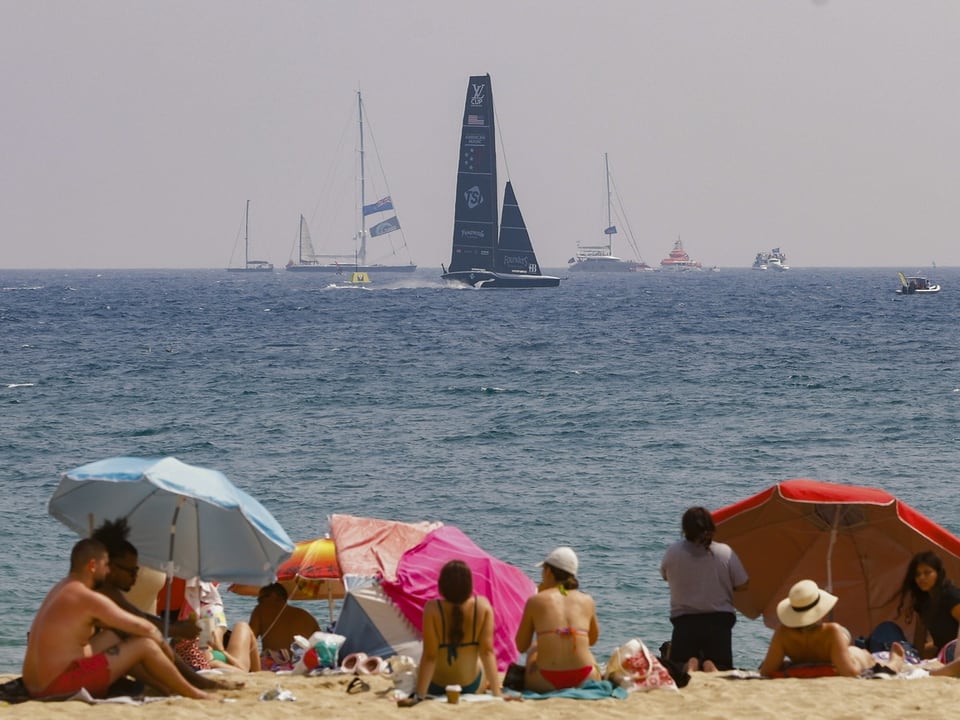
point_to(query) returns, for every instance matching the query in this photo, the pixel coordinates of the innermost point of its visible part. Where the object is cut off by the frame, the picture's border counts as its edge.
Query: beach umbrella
(310, 573)
(191, 521)
(369, 551)
(505, 586)
(854, 541)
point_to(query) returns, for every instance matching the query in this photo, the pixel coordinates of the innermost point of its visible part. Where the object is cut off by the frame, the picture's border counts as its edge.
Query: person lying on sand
(74, 643)
(803, 637)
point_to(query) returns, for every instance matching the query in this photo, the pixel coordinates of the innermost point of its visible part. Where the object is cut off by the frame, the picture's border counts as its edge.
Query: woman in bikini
(564, 622)
(457, 639)
(805, 638)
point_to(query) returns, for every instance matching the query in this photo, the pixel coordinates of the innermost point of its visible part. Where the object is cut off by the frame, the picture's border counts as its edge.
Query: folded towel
(590, 690)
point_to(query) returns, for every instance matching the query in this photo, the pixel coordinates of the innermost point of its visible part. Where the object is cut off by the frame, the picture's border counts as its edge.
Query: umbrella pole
(173, 533)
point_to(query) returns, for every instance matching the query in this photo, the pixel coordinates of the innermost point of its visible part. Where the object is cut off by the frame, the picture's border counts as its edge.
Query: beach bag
(637, 668)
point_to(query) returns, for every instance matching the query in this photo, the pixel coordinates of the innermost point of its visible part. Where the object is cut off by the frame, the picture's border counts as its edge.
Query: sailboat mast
(606, 231)
(246, 236)
(300, 240)
(363, 201)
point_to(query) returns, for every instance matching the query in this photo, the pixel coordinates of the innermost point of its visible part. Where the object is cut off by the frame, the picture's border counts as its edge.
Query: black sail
(475, 213)
(514, 251)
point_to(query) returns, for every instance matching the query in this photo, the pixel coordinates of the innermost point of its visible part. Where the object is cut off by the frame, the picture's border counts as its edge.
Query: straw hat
(805, 605)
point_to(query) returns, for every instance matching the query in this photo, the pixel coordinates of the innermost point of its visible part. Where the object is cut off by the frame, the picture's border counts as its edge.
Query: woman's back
(457, 662)
(565, 625)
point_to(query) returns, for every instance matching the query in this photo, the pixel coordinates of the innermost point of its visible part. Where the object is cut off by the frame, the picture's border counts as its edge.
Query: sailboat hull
(252, 269)
(487, 279)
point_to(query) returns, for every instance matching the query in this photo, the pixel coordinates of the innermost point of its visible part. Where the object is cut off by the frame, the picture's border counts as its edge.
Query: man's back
(277, 631)
(59, 633)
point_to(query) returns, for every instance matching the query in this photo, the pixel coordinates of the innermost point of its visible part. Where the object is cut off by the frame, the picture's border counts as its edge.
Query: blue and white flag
(387, 226)
(612, 230)
(381, 205)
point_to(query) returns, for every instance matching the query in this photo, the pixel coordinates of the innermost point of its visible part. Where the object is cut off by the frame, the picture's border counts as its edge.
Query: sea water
(590, 415)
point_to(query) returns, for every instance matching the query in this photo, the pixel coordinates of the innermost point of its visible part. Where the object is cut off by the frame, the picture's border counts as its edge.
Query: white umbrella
(190, 520)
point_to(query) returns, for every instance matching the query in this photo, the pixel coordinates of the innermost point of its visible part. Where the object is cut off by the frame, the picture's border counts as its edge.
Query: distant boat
(916, 285)
(308, 260)
(248, 264)
(600, 258)
(774, 260)
(487, 254)
(679, 260)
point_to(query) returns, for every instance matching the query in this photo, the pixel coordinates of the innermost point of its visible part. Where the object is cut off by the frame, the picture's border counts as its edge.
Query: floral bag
(636, 668)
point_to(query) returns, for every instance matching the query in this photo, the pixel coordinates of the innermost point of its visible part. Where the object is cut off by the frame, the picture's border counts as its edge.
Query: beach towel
(590, 690)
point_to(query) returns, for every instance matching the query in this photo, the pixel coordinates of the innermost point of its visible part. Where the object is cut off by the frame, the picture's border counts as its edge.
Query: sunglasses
(132, 570)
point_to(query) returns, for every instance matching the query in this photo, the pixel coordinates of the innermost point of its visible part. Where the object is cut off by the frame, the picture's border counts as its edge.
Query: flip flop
(357, 685)
(351, 663)
(371, 665)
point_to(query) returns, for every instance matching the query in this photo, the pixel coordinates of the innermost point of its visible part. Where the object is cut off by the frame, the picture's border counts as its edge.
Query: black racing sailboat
(487, 254)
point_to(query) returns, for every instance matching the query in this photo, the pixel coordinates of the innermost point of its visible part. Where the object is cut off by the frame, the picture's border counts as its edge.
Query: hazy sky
(132, 132)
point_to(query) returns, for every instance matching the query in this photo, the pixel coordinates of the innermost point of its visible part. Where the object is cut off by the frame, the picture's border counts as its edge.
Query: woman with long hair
(457, 638)
(928, 597)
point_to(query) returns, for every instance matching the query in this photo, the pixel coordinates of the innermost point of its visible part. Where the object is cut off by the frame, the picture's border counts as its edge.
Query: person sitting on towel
(564, 622)
(457, 638)
(805, 638)
(275, 622)
(82, 639)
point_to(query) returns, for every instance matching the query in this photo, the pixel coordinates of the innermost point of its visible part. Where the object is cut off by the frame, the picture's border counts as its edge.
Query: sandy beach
(707, 696)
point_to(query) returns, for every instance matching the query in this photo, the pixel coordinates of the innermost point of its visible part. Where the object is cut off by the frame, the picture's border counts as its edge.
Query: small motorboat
(916, 285)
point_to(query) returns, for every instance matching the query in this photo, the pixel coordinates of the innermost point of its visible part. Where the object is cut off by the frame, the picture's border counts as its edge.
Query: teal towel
(590, 690)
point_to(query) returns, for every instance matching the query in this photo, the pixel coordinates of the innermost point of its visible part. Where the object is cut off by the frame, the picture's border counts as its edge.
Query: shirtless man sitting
(564, 621)
(67, 652)
(275, 622)
(805, 638)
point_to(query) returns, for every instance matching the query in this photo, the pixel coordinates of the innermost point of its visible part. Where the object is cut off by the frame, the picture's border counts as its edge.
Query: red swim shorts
(92, 673)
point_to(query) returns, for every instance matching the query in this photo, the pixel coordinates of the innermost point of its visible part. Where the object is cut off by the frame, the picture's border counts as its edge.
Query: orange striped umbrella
(310, 573)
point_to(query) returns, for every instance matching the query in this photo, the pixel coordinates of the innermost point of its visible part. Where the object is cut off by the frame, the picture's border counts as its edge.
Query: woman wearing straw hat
(804, 637)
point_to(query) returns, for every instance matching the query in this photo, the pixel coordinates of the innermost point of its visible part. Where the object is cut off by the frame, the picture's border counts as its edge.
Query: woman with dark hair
(457, 639)
(702, 575)
(928, 597)
(564, 622)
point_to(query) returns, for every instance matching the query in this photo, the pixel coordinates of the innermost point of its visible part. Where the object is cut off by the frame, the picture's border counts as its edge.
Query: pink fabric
(368, 546)
(505, 586)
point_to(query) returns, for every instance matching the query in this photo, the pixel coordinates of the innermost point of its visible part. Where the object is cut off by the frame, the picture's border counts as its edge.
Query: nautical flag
(387, 226)
(381, 205)
(474, 120)
(612, 230)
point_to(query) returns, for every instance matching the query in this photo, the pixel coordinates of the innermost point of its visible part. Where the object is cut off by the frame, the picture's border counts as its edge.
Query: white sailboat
(599, 257)
(372, 223)
(248, 264)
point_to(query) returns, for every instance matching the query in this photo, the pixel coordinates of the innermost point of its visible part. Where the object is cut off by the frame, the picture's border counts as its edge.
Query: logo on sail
(474, 197)
(478, 97)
